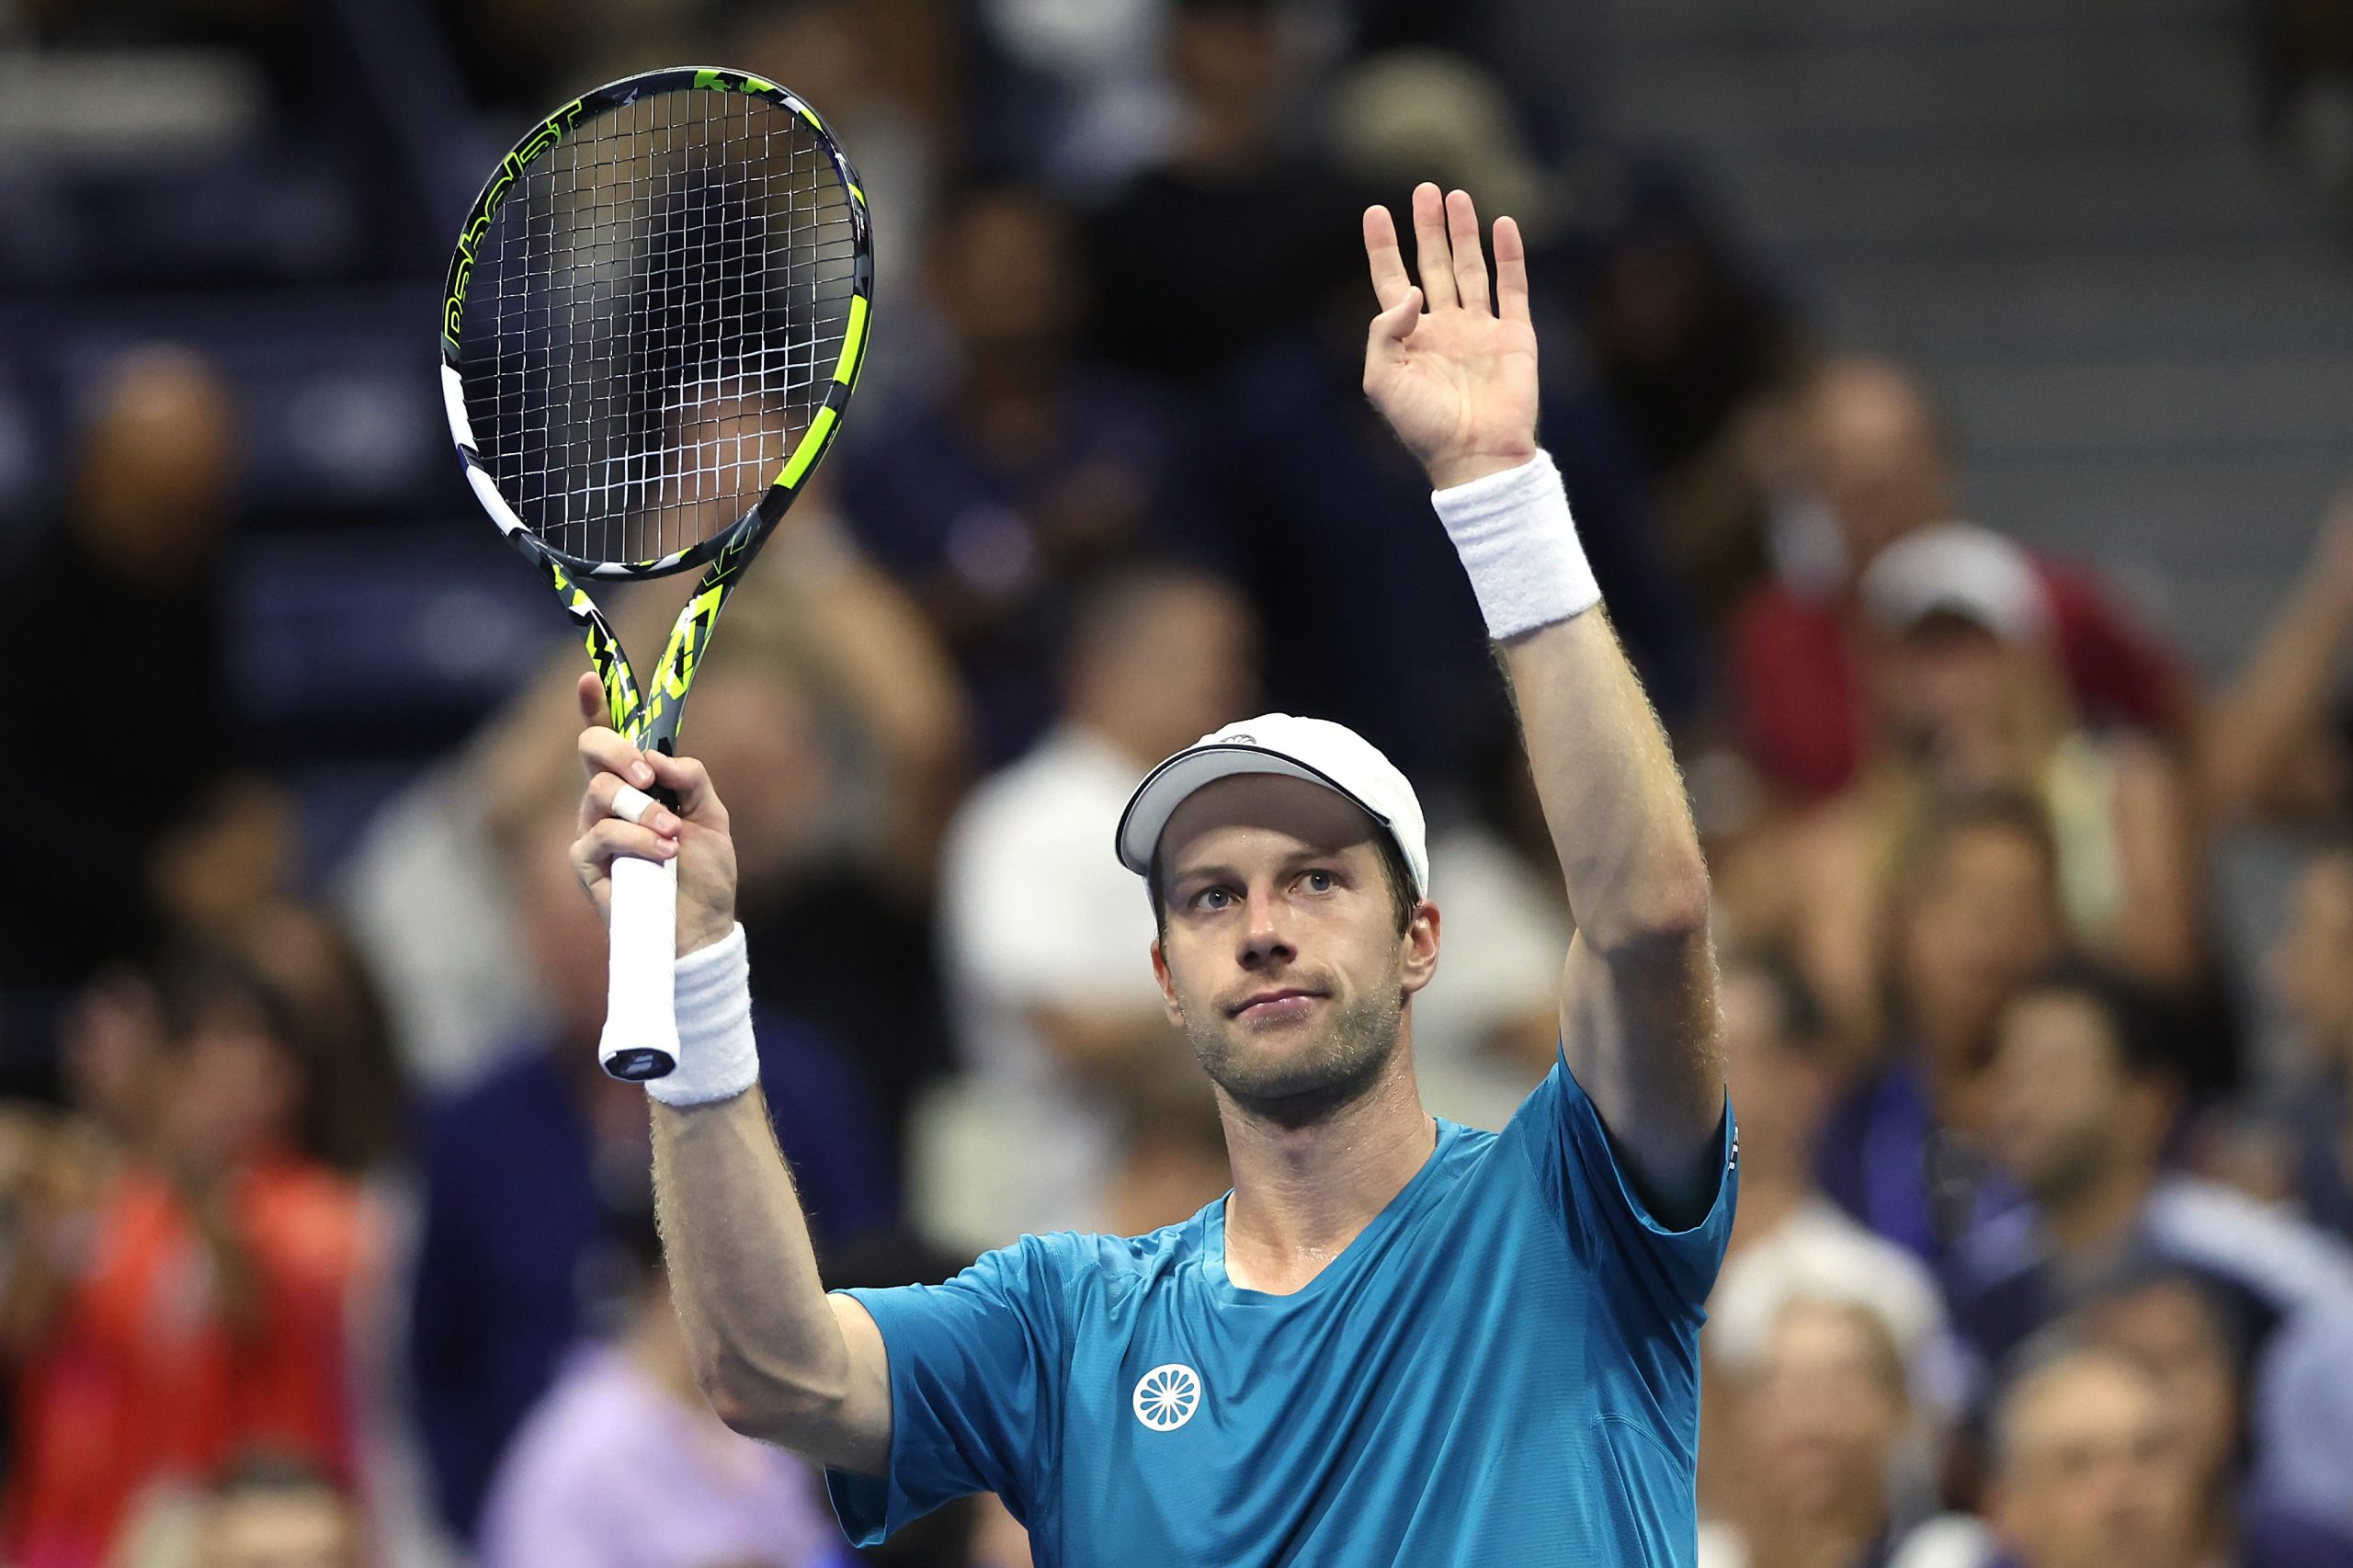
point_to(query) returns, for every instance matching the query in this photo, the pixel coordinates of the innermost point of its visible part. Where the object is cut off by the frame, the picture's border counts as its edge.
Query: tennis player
(1397, 1339)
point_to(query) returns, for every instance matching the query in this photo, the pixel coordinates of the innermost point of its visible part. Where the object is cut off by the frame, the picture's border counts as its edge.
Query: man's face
(2170, 1330)
(1281, 960)
(2059, 1094)
(1825, 1414)
(2309, 968)
(2096, 1476)
(1988, 918)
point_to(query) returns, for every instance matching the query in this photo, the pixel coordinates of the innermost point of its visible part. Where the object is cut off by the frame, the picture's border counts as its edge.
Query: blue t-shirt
(1504, 1367)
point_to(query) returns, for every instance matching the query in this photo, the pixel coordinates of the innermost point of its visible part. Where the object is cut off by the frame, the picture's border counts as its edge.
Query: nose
(1263, 942)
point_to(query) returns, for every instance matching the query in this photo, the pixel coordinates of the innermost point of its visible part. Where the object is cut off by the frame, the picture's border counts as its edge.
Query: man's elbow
(1665, 912)
(772, 1406)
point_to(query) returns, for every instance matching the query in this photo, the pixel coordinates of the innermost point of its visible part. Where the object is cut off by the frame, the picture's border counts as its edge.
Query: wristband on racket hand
(717, 1057)
(1519, 546)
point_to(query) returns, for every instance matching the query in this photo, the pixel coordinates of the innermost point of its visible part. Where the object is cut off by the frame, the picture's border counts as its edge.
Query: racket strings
(655, 320)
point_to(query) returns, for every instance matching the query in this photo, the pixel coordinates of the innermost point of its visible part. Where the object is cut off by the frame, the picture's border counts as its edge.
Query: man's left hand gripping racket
(655, 315)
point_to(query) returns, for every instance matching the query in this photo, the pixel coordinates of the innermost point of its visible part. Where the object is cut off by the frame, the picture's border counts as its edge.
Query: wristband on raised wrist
(718, 1058)
(1519, 546)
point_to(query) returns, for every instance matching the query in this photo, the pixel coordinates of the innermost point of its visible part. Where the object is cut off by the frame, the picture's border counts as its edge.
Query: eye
(1318, 881)
(1211, 898)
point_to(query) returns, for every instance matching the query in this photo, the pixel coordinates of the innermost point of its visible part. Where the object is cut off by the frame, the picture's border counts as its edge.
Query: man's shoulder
(2286, 1261)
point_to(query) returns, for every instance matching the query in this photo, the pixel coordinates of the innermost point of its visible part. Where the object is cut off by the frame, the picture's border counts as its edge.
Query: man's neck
(1303, 1194)
(2099, 1214)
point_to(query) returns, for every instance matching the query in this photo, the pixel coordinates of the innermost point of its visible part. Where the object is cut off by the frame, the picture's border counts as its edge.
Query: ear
(1421, 947)
(1168, 1003)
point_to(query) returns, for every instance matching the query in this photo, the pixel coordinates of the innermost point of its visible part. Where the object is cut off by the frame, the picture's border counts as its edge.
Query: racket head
(654, 318)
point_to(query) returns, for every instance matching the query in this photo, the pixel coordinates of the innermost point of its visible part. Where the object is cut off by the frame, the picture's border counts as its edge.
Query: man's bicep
(862, 1439)
(1640, 1035)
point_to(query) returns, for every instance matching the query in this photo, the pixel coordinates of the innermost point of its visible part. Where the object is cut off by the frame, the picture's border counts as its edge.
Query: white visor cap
(1315, 749)
(1959, 569)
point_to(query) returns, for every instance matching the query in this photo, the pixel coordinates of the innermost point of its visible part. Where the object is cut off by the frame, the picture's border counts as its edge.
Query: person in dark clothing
(119, 604)
(1176, 297)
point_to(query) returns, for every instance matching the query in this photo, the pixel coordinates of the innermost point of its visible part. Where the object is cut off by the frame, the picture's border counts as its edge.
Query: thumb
(593, 710)
(1395, 324)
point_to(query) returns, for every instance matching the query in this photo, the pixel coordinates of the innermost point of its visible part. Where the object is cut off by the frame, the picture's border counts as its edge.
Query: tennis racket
(654, 317)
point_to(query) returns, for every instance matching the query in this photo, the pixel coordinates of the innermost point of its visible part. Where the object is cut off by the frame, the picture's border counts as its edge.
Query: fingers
(1469, 260)
(603, 750)
(690, 785)
(1430, 251)
(593, 708)
(608, 796)
(594, 851)
(1390, 278)
(1396, 324)
(1511, 271)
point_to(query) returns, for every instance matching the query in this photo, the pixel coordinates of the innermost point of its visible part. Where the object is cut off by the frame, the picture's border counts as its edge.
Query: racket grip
(641, 1038)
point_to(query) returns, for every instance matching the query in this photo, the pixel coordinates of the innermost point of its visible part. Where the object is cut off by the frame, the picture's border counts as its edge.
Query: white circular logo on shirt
(1167, 1396)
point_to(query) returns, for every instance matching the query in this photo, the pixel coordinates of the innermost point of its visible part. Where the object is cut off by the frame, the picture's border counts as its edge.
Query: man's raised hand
(695, 834)
(1453, 373)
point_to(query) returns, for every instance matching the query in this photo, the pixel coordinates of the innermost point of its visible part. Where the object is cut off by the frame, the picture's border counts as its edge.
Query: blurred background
(1956, 402)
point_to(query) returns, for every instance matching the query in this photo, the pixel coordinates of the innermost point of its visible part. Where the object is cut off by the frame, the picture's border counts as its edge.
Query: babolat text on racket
(654, 318)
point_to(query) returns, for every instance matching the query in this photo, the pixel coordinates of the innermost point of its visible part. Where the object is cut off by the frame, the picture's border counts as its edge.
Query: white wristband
(717, 1057)
(1517, 541)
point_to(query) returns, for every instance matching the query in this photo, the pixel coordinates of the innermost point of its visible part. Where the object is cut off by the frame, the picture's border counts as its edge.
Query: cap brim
(1168, 786)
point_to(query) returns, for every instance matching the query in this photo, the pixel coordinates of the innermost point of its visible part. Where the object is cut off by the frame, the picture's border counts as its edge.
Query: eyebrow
(1216, 873)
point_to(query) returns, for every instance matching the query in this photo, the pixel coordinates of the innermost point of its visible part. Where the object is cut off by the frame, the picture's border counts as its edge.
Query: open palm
(1454, 375)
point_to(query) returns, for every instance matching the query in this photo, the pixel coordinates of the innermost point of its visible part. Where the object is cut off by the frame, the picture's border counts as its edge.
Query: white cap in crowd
(1317, 750)
(1959, 569)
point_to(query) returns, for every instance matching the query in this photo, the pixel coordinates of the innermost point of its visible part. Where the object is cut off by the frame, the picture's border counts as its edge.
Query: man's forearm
(765, 1347)
(1612, 797)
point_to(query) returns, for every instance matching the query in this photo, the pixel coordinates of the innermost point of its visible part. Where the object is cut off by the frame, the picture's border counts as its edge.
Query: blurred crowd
(324, 1242)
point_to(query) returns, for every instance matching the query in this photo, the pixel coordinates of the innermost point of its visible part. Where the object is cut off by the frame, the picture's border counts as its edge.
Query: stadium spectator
(422, 893)
(1692, 342)
(1175, 299)
(991, 499)
(621, 1464)
(128, 583)
(513, 1259)
(2311, 972)
(2278, 748)
(1790, 1240)
(832, 838)
(1045, 935)
(2088, 1467)
(1878, 464)
(205, 1311)
(1972, 913)
(1824, 1427)
(2172, 1325)
(1968, 702)
(2080, 1110)
(1487, 1027)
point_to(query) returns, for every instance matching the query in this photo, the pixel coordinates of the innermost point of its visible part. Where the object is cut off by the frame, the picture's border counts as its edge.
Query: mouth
(1289, 1002)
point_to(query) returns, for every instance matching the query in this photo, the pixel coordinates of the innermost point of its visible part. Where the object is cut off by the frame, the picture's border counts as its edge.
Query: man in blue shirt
(1396, 1340)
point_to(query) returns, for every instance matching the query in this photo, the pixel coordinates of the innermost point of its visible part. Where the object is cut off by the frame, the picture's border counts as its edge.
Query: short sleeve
(976, 1369)
(1672, 1271)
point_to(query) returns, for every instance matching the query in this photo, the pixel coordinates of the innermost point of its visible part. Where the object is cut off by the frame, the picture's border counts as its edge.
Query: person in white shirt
(1057, 1021)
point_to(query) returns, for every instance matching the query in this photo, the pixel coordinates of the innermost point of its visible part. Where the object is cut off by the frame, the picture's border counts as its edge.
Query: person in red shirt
(201, 1311)
(1877, 463)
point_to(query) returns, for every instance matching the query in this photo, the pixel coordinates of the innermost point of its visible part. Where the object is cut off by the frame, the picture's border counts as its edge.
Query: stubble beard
(1310, 1081)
